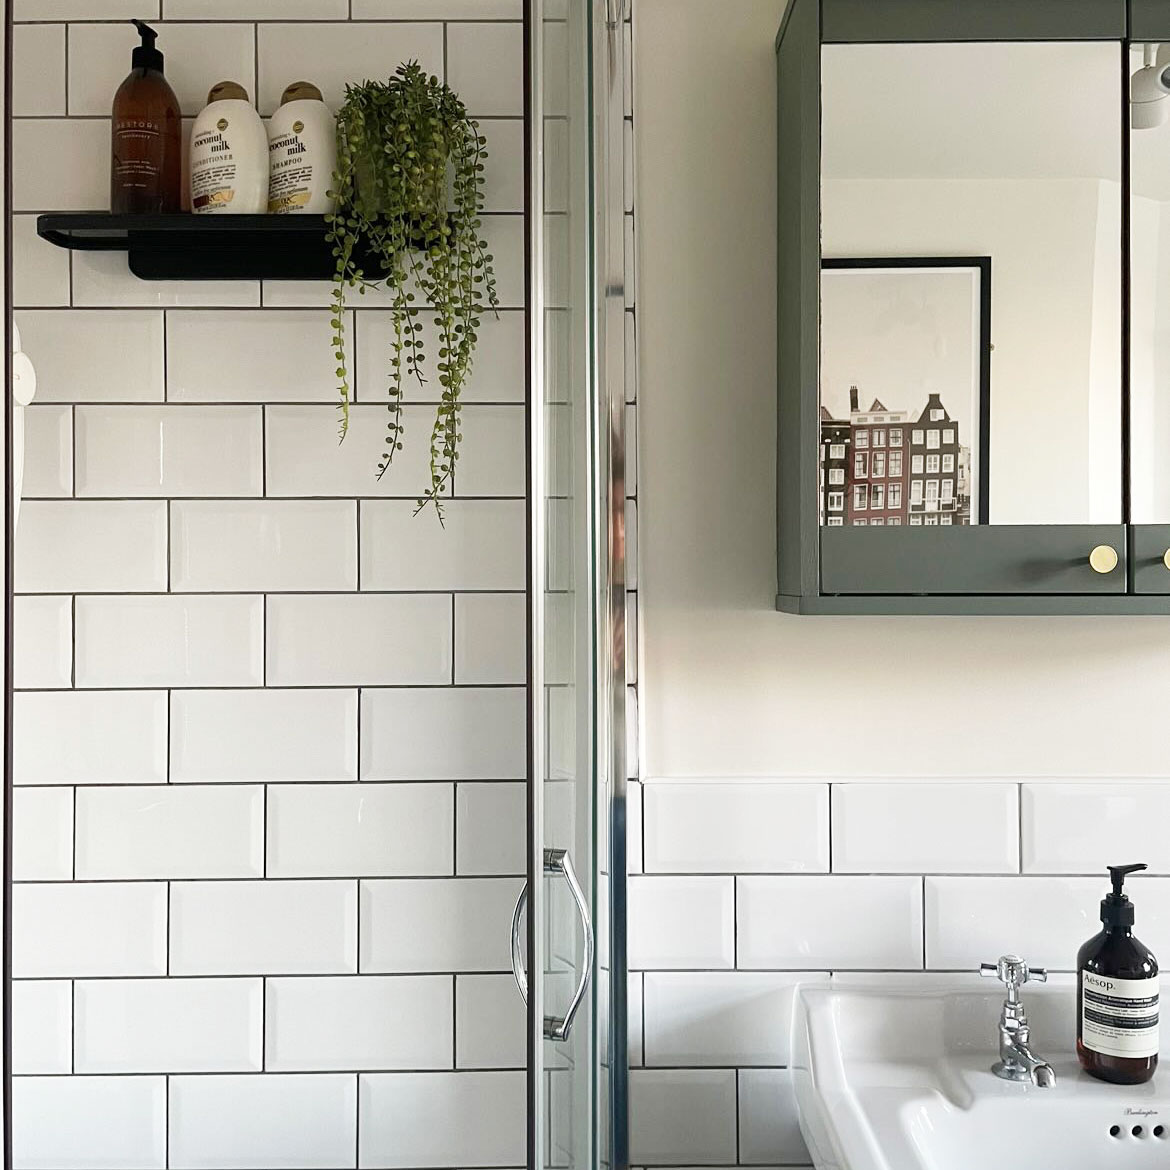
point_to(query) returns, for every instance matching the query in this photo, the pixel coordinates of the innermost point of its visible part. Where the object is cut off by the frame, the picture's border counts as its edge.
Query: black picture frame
(981, 265)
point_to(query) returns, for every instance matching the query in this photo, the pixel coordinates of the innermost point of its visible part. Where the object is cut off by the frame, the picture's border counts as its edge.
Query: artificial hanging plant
(409, 188)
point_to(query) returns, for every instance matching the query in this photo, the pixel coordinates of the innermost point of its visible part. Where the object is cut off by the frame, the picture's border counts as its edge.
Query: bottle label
(1119, 1017)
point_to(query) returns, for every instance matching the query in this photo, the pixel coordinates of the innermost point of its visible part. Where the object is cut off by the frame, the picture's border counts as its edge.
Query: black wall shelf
(200, 247)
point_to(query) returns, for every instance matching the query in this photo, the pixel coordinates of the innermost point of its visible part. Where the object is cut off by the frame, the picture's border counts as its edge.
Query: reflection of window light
(937, 415)
(879, 438)
(863, 438)
(948, 463)
(948, 436)
(932, 465)
(836, 522)
(948, 490)
(836, 475)
(860, 497)
(916, 438)
(931, 521)
(861, 465)
(860, 523)
(837, 451)
(836, 501)
(946, 521)
(895, 436)
(894, 521)
(915, 521)
(879, 465)
(915, 464)
(916, 492)
(877, 497)
(895, 495)
(878, 523)
(932, 439)
(895, 463)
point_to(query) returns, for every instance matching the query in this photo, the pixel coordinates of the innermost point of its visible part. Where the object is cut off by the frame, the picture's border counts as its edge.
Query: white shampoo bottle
(229, 155)
(302, 142)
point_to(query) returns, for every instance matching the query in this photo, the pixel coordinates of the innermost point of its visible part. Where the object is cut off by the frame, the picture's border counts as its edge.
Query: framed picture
(905, 391)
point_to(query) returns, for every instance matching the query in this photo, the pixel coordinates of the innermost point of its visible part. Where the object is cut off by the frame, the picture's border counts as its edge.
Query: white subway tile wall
(270, 737)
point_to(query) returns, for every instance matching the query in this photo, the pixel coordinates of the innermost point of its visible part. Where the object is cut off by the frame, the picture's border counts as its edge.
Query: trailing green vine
(409, 188)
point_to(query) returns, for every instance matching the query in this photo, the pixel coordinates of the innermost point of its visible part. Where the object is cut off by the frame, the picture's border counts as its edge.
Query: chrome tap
(1017, 1061)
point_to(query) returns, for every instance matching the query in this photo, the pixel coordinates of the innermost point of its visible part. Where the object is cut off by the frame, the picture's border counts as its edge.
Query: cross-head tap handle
(1013, 973)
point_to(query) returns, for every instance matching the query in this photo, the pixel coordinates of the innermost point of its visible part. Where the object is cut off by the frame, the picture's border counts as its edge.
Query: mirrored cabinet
(974, 307)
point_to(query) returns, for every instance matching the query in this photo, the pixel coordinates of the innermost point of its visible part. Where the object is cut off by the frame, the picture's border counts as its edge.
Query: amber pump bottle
(1117, 995)
(146, 151)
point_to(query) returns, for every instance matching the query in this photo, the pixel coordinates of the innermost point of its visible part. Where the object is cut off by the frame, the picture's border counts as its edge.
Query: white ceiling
(982, 111)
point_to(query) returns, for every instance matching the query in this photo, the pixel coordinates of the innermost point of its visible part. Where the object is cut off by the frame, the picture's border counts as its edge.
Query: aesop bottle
(146, 166)
(1117, 995)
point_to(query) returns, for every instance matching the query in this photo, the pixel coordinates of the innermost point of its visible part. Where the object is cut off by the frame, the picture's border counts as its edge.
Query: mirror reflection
(971, 325)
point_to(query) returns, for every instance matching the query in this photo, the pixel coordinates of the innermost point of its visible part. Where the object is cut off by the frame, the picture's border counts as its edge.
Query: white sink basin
(901, 1080)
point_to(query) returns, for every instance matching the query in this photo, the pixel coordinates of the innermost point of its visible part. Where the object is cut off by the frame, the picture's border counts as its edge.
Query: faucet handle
(1013, 973)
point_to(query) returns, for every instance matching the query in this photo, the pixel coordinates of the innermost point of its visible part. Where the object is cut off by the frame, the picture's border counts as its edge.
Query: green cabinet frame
(998, 569)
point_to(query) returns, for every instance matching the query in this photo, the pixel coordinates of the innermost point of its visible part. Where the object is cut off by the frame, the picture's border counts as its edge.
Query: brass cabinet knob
(1103, 559)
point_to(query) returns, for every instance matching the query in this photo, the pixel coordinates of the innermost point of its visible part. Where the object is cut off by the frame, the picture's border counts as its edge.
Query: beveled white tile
(169, 451)
(490, 1030)
(104, 279)
(193, 52)
(263, 545)
(107, 546)
(449, 9)
(48, 452)
(504, 175)
(634, 830)
(330, 55)
(491, 644)
(42, 834)
(263, 928)
(255, 9)
(676, 923)
(740, 1018)
(38, 70)
(497, 374)
(299, 1121)
(263, 735)
(112, 1121)
(65, 929)
(728, 827)
(94, 355)
(305, 458)
(636, 1015)
(504, 235)
(365, 1022)
(491, 457)
(42, 1026)
(857, 923)
(360, 830)
(491, 829)
(485, 67)
(170, 641)
(99, 737)
(971, 920)
(682, 1117)
(275, 356)
(437, 924)
(449, 733)
(406, 1119)
(948, 827)
(85, 9)
(43, 641)
(1083, 828)
(62, 164)
(168, 1025)
(40, 271)
(180, 831)
(480, 546)
(769, 1128)
(366, 639)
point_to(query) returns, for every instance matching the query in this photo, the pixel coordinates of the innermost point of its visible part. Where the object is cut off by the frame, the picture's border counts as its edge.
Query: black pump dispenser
(146, 56)
(1117, 994)
(1116, 908)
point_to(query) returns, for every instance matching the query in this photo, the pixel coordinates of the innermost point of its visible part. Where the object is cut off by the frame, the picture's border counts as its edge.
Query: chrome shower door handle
(557, 861)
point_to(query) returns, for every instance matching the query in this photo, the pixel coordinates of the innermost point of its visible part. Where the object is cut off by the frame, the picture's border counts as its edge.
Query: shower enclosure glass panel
(576, 1021)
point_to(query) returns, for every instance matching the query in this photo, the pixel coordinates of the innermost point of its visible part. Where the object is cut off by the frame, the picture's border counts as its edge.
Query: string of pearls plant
(409, 187)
